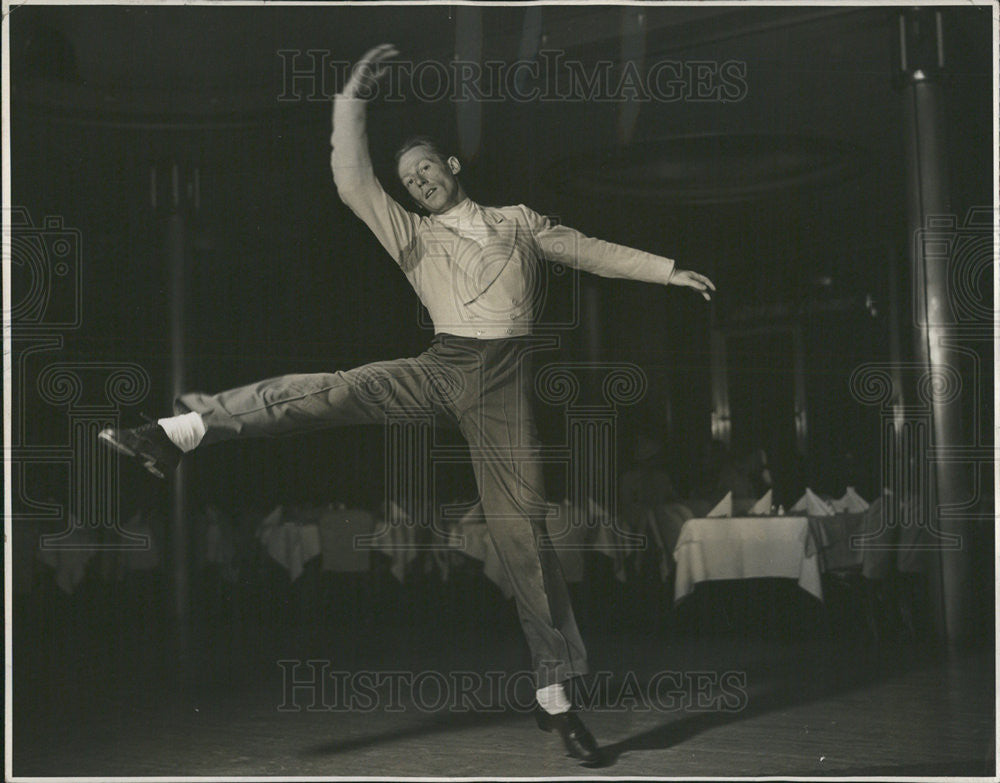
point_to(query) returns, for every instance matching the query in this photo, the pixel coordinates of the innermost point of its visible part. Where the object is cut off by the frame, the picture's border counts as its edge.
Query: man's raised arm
(351, 163)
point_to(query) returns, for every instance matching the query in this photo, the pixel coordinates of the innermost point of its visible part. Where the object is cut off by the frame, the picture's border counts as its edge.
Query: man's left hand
(693, 280)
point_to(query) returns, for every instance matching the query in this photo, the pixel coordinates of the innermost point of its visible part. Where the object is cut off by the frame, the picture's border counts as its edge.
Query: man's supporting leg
(505, 452)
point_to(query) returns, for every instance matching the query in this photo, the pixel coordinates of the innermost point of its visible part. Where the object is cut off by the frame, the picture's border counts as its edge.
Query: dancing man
(474, 268)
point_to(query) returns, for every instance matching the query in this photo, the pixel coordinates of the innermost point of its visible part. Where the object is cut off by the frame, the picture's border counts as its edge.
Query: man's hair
(420, 141)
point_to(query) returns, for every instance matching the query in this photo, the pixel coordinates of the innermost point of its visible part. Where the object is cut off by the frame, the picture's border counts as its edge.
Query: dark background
(791, 197)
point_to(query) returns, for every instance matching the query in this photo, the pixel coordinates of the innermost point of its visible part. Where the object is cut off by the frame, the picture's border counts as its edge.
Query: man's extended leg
(283, 405)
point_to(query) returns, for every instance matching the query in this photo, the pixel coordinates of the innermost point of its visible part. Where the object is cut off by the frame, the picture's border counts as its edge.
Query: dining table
(746, 547)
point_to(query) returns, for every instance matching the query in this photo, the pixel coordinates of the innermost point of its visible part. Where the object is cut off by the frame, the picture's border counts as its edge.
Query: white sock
(552, 699)
(185, 431)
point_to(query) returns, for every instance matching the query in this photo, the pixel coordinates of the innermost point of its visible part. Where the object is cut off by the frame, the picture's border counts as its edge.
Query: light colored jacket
(479, 276)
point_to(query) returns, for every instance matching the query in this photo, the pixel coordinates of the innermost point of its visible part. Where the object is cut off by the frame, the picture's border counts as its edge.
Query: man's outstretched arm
(351, 163)
(568, 246)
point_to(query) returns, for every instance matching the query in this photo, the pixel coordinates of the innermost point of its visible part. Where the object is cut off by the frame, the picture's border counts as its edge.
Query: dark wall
(284, 278)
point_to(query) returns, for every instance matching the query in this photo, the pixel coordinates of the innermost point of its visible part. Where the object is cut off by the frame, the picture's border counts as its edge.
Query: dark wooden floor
(100, 695)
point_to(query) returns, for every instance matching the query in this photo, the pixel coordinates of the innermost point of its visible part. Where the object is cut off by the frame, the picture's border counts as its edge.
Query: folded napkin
(398, 539)
(813, 505)
(291, 545)
(69, 554)
(762, 506)
(724, 508)
(852, 502)
(271, 519)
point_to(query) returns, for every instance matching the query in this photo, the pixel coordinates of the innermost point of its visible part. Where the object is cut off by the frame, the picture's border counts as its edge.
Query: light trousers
(485, 387)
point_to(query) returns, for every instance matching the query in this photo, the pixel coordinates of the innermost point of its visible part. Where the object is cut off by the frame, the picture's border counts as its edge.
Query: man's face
(429, 180)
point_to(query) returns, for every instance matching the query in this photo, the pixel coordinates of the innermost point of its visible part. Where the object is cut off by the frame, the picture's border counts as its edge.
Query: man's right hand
(368, 71)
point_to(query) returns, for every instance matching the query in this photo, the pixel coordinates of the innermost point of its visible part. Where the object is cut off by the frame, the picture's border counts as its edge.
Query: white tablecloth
(395, 535)
(746, 548)
(291, 545)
